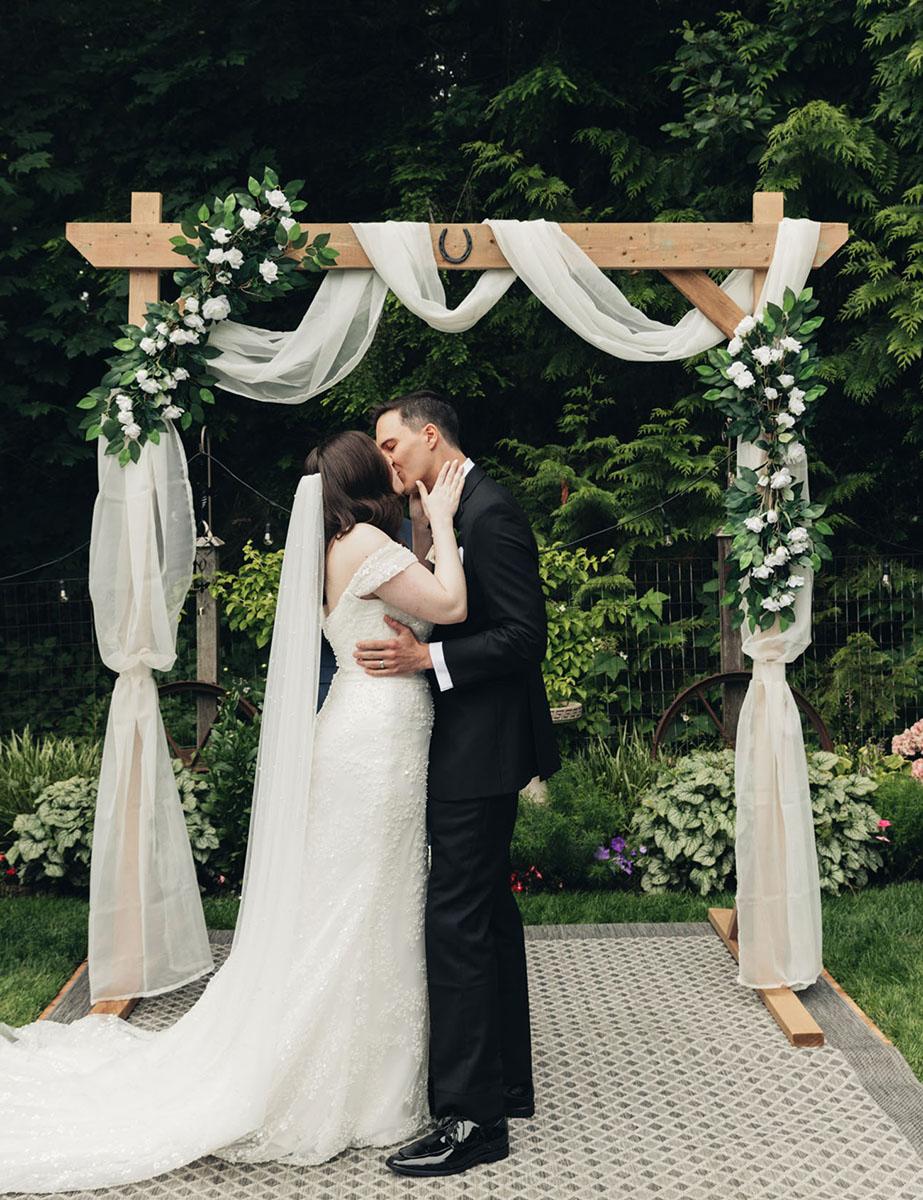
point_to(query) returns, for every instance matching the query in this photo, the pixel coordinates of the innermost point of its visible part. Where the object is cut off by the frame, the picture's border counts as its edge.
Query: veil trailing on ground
(99, 1102)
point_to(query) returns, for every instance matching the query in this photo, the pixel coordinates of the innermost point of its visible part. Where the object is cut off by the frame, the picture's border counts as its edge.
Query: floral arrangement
(909, 744)
(764, 383)
(242, 255)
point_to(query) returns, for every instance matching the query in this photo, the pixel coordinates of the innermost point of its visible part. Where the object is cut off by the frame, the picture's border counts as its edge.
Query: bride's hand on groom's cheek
(401, 655)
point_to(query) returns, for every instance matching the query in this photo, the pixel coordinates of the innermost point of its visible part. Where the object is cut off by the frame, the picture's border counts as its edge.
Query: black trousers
(475, 960)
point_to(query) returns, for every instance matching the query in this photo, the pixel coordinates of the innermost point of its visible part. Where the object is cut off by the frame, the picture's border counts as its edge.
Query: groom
(492, 733)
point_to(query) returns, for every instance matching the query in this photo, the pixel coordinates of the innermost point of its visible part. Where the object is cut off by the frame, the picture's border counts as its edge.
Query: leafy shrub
(899, 799)
(55, 840)
(29, 764)
(591, 798)
(687, 820)
(230, 755)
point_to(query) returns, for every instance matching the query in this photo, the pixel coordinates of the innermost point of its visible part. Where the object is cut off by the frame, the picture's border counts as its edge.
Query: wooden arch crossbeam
(682, 251)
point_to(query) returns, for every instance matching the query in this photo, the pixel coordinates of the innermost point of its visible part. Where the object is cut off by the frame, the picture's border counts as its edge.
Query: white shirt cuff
(443, 678)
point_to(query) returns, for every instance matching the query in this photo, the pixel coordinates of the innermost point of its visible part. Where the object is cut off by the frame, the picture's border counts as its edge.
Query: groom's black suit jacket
(492, 730)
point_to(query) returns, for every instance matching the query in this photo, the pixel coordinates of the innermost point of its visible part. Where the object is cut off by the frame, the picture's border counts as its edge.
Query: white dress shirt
(443, 678)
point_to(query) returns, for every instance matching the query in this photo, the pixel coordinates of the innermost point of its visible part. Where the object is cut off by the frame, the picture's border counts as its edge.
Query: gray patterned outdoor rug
(658, 1077)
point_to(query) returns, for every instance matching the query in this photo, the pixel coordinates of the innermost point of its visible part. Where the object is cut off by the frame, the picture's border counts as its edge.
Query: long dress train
(100, 1102)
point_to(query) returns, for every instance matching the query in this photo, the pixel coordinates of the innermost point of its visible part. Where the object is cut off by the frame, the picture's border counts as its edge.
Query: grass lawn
(873, 945)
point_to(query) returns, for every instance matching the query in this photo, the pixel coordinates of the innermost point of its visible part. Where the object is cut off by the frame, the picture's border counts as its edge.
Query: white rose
(125, 416)
(194, 321)
(771, 516)
(215, 255)
(754, 524)
(220, 235)
(172, 411)
(762, 481)
(178, 337)
(287, 222)
(123, 401)
(790, 343)
(141, 375)
(150, 386)
(163, 327)
(169, 382)
(160, 399)
(763, 355)
(216, 308)
(234, 258)
(743, 379)
(744, 325)
(278, 199)
(795, 453)
(786, 381)
(798, 534)
(180, 373)
(148, 345)
(223, 276)
(770, 393)
(786, 599)
(735, 345)
(191, 305)
(781, 478)
(132, 431)
(796, 406)
(771, 603)
(795, 581)
(735, 368)
(161, 342)
(250, 217)
(761, 572)
(776, 353)
(785, 420)
(269, 270)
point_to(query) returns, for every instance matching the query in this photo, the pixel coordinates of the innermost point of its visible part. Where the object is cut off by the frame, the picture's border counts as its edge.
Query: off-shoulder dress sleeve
(380, 566)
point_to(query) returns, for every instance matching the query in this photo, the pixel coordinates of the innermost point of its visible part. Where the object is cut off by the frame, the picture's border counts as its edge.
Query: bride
(312, 1036)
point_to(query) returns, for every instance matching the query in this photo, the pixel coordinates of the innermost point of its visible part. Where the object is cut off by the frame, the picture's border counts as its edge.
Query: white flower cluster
(154, 382)
(779, 390)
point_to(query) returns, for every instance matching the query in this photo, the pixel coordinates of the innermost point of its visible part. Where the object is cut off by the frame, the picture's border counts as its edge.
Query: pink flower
(916, 769)
(883, 824)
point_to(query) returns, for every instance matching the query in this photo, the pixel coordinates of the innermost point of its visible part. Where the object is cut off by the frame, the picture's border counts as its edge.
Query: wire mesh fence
(863, 669)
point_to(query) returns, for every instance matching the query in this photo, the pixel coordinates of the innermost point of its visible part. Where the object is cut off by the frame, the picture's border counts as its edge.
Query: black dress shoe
(519, 1101)
(453, 1146)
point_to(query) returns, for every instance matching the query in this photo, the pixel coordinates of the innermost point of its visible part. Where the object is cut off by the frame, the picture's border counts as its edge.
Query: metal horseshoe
(469, 244)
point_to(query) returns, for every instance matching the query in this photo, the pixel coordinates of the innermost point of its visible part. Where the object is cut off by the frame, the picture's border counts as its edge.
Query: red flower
(2, 858)
(11, 870)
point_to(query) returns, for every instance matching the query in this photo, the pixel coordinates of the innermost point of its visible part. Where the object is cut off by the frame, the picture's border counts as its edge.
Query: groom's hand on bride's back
(401, 655)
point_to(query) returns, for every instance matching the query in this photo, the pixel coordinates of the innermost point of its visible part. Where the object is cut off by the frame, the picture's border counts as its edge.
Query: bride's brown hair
(356, 482)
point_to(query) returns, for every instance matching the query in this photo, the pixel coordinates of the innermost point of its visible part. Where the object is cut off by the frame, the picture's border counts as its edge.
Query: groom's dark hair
(423, 408)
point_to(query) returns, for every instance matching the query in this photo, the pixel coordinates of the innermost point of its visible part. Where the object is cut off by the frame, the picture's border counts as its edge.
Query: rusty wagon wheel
(199, 687)
(697, 691)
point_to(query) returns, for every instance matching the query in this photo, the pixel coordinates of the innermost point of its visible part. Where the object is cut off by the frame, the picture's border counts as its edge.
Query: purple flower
(642, 849)
(618, 844)
(601, 854)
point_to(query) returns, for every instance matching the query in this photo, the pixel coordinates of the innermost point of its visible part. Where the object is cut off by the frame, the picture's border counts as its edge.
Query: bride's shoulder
(363, 539)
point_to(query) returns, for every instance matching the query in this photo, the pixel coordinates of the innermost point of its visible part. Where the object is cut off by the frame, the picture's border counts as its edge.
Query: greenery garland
(242, 256)
(764, 383)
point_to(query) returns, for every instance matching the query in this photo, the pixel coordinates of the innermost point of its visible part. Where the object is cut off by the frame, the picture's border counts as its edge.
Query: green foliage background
(455, 111)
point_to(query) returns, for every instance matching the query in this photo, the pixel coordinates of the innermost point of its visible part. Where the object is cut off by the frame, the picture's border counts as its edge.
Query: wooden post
(143, 283)
(206, 625)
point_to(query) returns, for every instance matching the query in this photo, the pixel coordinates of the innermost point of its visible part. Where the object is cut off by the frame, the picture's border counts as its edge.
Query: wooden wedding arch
(682, 251)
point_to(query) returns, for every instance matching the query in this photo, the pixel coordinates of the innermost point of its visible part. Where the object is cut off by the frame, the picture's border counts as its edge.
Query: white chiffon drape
(150, 937)
(146, 929)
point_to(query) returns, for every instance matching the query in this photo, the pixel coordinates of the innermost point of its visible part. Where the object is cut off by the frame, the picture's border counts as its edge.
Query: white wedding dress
(329, 1050)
